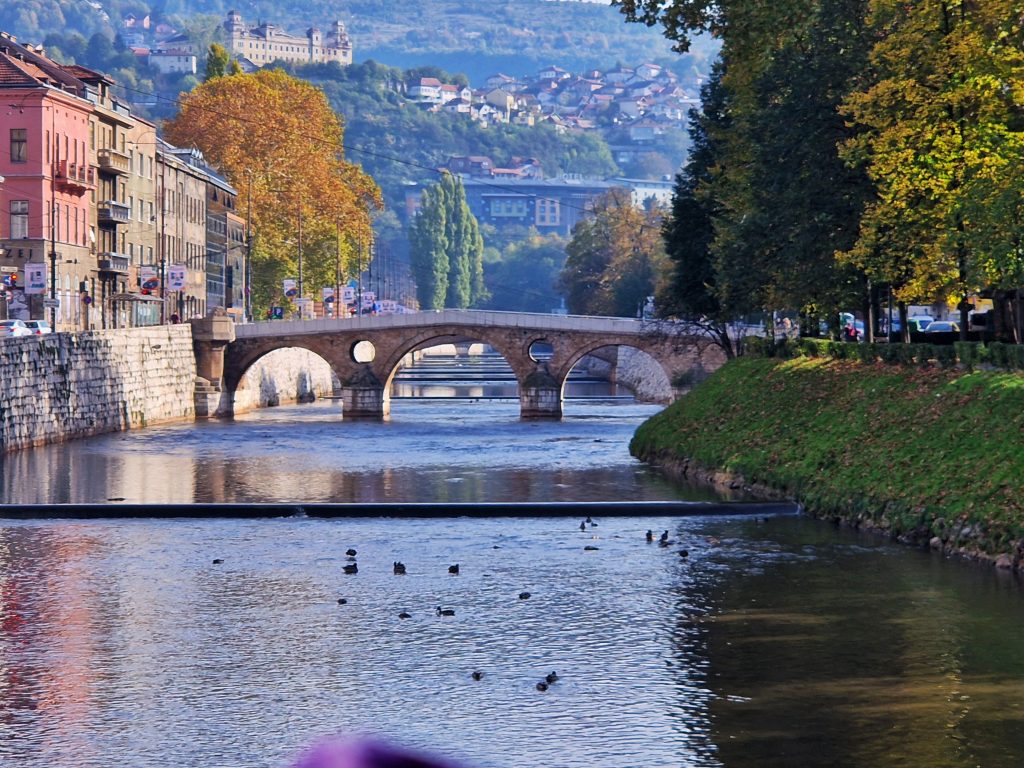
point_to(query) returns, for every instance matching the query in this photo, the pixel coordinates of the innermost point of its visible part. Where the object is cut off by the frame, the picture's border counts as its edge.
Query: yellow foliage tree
(278, 142)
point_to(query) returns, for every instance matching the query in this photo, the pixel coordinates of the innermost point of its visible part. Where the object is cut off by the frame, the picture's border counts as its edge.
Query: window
(547, 212)
(19, 219)
(19, 145)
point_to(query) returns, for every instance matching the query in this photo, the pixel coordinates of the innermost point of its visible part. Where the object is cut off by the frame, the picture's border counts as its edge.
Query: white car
(39, 327)
(14, 328)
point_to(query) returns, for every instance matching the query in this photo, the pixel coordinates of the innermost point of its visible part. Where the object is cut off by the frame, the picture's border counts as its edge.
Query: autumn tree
(615, 259)
(279, 143)
(941, 139)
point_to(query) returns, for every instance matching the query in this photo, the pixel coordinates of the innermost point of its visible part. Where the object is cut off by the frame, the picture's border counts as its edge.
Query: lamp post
(247, 296)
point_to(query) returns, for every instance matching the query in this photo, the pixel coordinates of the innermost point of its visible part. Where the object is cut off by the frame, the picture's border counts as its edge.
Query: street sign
(51, 303)
(8, 269)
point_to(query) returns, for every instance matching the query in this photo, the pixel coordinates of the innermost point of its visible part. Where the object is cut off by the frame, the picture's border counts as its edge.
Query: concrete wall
(67, 385)
(285, 376)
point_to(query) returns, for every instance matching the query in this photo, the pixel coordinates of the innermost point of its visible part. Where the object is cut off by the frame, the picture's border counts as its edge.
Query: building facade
(225, 249)
(46, 198)
(266, 43)
(181, 186)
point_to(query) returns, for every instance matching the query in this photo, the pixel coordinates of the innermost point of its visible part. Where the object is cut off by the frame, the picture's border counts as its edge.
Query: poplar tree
(447, 248)
(428, 249)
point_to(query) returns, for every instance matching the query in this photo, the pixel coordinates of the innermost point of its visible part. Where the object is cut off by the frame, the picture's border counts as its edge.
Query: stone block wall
(68, 385)
(290, 375)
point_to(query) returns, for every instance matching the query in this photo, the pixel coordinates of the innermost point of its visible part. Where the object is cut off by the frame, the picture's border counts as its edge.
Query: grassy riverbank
(923, 452)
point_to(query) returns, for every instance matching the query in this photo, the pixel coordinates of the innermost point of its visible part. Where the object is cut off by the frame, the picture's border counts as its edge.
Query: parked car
(920, 323)
(14, 328)
(39, 327)
(942, 326)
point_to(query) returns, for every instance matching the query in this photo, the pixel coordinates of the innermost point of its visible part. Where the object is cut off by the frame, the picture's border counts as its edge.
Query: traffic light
(14, 280)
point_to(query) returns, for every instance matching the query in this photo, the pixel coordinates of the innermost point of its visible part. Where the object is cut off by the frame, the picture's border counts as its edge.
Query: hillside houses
(647, 96)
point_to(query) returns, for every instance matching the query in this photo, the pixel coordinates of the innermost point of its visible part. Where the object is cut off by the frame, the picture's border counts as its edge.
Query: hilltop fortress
(266, 43)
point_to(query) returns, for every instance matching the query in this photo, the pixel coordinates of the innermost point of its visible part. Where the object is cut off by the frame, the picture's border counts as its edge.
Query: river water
(776, 642)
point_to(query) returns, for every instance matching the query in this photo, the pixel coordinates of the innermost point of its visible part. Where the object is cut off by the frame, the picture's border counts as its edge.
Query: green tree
(523, 276)
(217, 62)
(428, 249)
(691, 291)
(447, 248)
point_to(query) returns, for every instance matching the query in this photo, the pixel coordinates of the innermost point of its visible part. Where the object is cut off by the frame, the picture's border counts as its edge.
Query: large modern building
(266, 43)
(549, 205)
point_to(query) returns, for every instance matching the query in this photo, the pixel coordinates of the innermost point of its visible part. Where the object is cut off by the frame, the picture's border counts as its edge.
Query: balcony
(112, 161)
(74, 177)
(114, 263)
(113, 212)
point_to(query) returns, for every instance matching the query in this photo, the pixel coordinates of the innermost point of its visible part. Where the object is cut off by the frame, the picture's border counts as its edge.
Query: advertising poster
(148, 279)
(328, 295)
(176, 277)
(35, 279)
(289, 289)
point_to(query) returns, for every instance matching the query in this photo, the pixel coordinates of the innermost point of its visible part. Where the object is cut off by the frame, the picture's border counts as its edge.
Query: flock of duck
(399, 569)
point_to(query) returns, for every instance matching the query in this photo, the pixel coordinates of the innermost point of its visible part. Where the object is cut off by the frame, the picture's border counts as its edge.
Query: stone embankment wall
(63, 385)
(290, 375)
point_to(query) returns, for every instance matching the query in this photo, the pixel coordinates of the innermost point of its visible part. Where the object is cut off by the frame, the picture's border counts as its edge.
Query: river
(776, 641)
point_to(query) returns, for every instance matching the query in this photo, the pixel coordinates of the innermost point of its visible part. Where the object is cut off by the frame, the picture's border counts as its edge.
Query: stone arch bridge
(225, 351)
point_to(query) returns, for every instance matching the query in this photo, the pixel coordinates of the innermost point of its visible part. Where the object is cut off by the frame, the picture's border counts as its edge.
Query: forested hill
(477, 37)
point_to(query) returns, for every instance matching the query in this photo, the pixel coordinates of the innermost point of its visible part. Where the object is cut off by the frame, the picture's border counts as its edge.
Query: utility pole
(247, 300)
(337, 269)
(162, 246)
(53, 222)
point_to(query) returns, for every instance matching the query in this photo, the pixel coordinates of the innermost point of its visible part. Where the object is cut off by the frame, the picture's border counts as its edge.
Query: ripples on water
(127, 640)
(775, 643)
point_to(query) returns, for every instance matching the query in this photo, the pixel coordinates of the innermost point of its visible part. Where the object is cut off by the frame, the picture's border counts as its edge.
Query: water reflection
(429, 451)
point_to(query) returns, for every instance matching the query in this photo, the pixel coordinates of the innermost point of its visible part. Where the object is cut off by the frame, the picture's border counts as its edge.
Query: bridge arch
(663, 373)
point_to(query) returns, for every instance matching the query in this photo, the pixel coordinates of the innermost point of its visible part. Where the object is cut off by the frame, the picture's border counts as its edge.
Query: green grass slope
(922, 452)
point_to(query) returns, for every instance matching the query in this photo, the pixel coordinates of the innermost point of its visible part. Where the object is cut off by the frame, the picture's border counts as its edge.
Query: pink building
(45, 197)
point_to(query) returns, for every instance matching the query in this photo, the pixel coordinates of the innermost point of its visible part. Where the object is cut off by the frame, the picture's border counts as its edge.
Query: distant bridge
(366, 352)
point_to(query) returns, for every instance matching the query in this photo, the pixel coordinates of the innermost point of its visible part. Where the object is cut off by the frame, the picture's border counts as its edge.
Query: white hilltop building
(266, 43)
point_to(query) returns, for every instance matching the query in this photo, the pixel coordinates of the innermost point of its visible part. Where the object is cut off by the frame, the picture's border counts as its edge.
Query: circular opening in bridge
(363, 351)
(541, 351)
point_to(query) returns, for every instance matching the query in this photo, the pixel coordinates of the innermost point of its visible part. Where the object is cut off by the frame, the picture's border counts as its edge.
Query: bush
(814, 347)
(968, 352)
(997, 354)
(945, 355)
(1015, 357)
(890, 353)
(757, 346)
(868, 353)
(905, 353)
(925, 353)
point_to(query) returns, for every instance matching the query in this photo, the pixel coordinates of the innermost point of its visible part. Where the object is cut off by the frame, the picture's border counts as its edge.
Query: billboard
(176, 277)
(35, 279)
